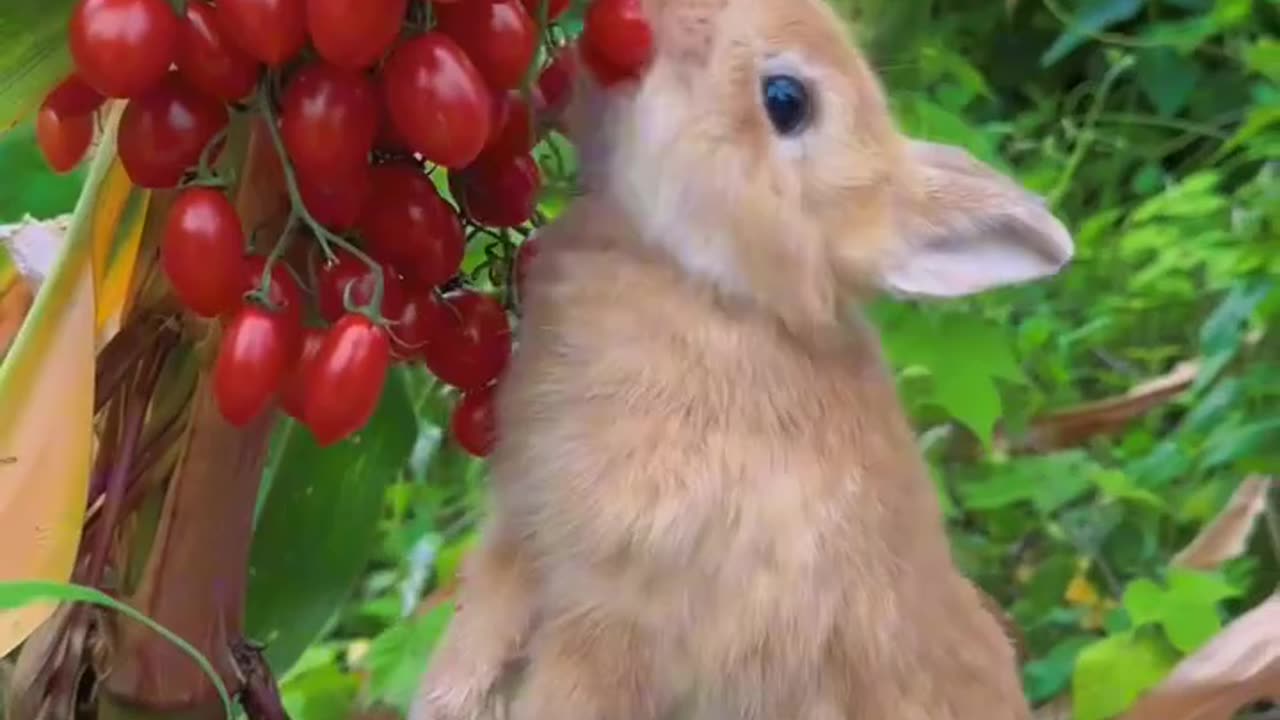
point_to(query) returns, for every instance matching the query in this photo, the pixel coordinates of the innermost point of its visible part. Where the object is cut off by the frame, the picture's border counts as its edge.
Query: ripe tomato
(471, 348)
(555, 84)
(407, 222)
(123, 47)
(473, 424)
(513, 131)
(63, 139)
(203, 252)
(616, 38)
(555, 8)
(73, 96)
(209, 61)
(338, 202)
(285, 296)
(345, 379)
(252, 362)
(328, 121)
(354, 33)
(163, 132)
(333, 281)
(498, 191)
(498, 35)
(417, 324)
(437, 99)
(293, 390)
(270, 31)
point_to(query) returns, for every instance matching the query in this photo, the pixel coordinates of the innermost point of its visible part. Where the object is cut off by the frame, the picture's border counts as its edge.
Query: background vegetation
(1153, 127)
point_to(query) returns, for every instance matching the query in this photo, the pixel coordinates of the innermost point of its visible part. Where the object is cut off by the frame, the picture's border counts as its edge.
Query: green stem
(326, 238)
(1086, 133)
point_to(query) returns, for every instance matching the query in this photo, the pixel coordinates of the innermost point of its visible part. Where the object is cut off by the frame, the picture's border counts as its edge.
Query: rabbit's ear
(963, 227)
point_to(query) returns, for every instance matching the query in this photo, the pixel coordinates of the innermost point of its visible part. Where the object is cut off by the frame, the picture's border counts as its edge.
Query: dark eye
(786, 99)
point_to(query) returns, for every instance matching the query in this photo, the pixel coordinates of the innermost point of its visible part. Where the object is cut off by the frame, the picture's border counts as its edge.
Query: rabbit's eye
(786, 99)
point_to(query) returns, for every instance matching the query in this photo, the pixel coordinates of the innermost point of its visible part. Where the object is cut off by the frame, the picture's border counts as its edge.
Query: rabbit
(707, 501)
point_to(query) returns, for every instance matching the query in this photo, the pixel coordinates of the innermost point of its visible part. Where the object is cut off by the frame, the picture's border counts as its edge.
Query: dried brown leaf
(1227, 535)
(1239, 666)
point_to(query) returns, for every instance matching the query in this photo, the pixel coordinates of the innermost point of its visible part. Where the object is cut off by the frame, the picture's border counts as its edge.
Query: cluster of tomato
(366, 102)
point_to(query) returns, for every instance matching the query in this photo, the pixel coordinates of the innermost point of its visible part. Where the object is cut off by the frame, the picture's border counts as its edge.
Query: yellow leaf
(116, 222)
(46, 426)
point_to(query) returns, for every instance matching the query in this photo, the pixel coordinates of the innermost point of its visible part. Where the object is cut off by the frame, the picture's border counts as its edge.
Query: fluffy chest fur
(667, 456)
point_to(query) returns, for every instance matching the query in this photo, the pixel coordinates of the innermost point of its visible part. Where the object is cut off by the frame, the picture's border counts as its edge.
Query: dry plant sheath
(707, 499)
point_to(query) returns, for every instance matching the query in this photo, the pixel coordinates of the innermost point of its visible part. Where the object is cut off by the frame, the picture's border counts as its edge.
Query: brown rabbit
(707, 502)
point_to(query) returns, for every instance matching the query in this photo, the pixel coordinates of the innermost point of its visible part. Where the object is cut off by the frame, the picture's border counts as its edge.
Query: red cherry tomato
(513, 131)
(293, 391)
(417, 324)
(270, 31)
(498, 191)
(498, 35)
(474, 425)
(354, 33)
(73, 96)
(163, 132)
(437, 100)
(471, 348)
(617, 33)
(63, 139)
(285, 296)
(555, 8)
(328, 121)
(407, 222)
(123, 47)
(209, 61)
(337, 203)
(345, 379)
(349, 271)
(252, 362)
(202, 252)
(555, 84)
(606, 73)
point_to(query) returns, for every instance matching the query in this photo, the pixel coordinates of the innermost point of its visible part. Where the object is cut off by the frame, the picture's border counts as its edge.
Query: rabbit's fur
(707, 500)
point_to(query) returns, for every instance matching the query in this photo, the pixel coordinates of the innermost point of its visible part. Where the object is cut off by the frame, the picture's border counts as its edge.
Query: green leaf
(1143, 601)
(1118, 485)
(40, 193)
(33, 54)
(1113, 672)
(1097, 16)
(14, 595)
(317, 527)
(1049, 676)
(320, 693)
(1263, 57)
(397, 658)
(964, 355)
(1167, 79)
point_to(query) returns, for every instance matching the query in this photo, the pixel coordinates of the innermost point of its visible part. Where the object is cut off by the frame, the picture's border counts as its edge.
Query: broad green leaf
(15, 595)
(1118, 485)
(33, 189)
(964, 355)
(316, 530)
(1049, 676)
(33, 54)
(1113, 672)
(1095, 17)
(1143, 600)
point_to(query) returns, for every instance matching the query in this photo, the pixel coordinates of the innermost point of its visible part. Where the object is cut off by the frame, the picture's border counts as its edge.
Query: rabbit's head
(758, 150)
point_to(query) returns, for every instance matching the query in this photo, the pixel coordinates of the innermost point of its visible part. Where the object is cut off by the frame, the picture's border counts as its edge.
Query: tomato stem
(326, 238)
